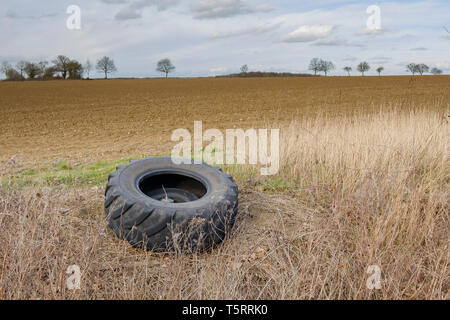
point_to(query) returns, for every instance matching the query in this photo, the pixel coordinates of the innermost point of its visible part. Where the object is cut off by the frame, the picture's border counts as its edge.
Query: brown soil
(86, 121)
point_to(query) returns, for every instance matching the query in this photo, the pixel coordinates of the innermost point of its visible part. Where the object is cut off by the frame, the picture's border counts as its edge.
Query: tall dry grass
(361, 190)
(380, 185)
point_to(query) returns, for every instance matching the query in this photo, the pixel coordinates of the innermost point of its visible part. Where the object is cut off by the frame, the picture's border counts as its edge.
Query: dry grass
(352, 192)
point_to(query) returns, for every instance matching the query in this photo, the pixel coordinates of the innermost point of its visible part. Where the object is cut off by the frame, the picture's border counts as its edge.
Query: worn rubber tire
(161, 226)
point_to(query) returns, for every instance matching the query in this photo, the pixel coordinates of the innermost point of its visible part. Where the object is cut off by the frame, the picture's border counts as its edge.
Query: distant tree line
(65, 68)
(421, 68)
(414, 68)
(245, 73)
(60, 68)
(263, 74)
(320, 65)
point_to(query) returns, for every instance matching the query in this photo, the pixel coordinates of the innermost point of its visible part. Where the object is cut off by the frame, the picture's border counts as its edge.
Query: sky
(214, 37)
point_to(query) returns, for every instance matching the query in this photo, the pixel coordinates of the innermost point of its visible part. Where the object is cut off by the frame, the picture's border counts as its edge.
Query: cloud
(443, 65)
(350, 58)
(218, 70)
(128, 13)
(114, 1)
(249, 38)
(13, 15)
(256, 30)
(336, 42)
(308, 33)
(213, 9)
(419, 49)
(134, 10)
(370, 32)
(380, 59)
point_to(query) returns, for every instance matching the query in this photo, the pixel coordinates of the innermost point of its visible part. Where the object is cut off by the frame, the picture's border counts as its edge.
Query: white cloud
(212, 9)
(443, 65)
(380, 59)
(128, 14)
(256, 30)
(336, 42)
(114, 1)
(370, 32)
(350, 58)
(308, 33)
(218, 70)
(13, 15)
(134, 10)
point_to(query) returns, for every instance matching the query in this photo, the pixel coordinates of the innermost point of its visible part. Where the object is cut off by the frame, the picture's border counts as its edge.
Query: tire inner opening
(172, 188)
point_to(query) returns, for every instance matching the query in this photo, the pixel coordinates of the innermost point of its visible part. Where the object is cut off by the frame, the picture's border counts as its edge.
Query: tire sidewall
(215, 182)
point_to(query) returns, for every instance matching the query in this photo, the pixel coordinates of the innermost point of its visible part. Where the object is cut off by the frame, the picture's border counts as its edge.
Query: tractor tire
(162, 206)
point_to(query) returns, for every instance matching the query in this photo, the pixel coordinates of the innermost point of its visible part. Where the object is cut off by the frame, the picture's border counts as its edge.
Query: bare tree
(88, 68)
(49, 73)
(347, 69)
(314, 65)
(421, 68)
(6, 66)
(61, 65)
(412, 67)
(165, 65)
(42, 65)
(379, 70)
(244, 69)
(13, 75)
(75, 69)
(33, 70)
(10, 72)
(21, 66)
(363, 67)
(106, 65)
(326, 66)
(436, 71)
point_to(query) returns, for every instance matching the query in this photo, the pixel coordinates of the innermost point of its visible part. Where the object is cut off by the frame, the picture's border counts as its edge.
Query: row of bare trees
(60, 68)
(319, 65)
(65, 68)
(363, 67)
(421, 68)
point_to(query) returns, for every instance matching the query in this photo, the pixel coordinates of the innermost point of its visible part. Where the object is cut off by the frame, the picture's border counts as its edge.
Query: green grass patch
(276, 183)
(91, 175)
(96, 175)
